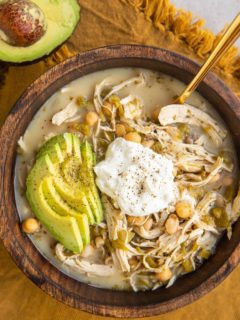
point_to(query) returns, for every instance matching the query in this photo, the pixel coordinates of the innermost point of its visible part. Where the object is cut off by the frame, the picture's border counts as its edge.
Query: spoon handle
(229, 37)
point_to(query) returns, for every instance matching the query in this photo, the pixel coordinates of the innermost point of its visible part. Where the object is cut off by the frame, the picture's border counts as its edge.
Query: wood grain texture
(38, 269)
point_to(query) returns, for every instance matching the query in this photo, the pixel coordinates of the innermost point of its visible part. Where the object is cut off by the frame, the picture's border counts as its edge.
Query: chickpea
(88, 251)
(148, 224)
(91, 118)
(120, 130)
(99, 242)
(183, 209)
(227, 180)
(155, 114)
(164, 275)
(30, 225)
(107, 109)
(128, 128)
(133, 136)
(138, 221)
(148, 143)
(172, 224)
(130, 219)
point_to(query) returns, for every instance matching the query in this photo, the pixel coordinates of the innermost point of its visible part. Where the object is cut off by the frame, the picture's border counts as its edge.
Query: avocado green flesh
(88, 159)
(62, 208)
(92, 202)
(58, 185)
(76, 199)
(71, 170)
(62, 17)
(74, 174)
(76, 147)
(63, 141)
(64, 229)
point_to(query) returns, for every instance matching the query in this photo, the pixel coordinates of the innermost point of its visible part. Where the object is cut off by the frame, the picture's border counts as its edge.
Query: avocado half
(61, 16)
(61, 190)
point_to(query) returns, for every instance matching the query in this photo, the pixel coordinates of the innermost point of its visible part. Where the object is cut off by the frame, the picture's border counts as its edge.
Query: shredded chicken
(149, 235)
(139, 80)
(98, 100)
(69, 114)
(116, 221)
(82, 265)
(175, 113)
(133, 107)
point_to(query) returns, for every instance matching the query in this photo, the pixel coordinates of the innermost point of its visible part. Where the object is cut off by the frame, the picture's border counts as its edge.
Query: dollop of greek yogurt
(139, 180)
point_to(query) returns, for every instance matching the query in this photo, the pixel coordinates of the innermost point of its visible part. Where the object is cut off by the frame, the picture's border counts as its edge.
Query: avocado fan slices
(61, 190)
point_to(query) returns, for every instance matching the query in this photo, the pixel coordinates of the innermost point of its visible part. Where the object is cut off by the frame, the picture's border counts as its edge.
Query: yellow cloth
(103, 22)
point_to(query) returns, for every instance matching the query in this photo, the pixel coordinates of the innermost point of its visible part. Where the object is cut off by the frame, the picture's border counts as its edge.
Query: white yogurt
(139, 180)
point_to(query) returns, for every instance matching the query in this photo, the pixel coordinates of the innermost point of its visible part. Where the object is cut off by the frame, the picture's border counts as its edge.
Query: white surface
(217, 13)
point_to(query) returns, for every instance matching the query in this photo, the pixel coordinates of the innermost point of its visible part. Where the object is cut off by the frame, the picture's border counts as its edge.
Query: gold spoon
(229, 37)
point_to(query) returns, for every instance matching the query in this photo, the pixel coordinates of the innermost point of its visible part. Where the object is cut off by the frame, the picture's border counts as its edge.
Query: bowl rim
(24, 259)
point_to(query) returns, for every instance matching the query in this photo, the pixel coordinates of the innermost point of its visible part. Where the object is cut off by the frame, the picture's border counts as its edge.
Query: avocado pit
(22, 22)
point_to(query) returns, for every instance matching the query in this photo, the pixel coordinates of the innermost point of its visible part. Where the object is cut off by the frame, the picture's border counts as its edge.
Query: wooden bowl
(76, 294)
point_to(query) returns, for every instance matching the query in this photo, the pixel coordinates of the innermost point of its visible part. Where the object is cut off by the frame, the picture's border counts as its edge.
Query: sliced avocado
(43, 167)
(93, 204)
(63, 177)
(70, 170)
(61, 18)
(61, 207)
(64, 229)
(75, 198)
(62, 141)
(76, 146)
(88, 161)
(73, 172)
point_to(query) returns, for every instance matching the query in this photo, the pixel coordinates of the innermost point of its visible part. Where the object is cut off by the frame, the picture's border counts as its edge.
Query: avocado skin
(66, 207)
(62, 17)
